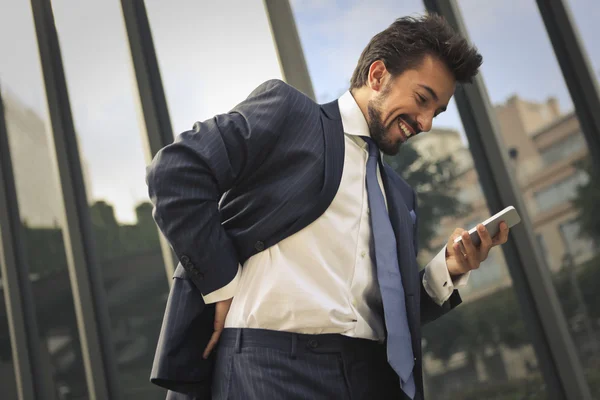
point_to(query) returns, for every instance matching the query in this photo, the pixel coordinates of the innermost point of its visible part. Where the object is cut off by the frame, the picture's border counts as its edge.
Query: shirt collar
(353, 120)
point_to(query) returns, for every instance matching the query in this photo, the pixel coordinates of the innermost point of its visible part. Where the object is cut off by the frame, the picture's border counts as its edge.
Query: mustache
(410, 122)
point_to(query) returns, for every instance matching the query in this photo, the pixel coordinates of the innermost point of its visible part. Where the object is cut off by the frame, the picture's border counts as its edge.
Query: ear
(377, 73)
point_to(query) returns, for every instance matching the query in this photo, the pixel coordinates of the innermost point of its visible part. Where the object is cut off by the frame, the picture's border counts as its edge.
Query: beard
(379, 132)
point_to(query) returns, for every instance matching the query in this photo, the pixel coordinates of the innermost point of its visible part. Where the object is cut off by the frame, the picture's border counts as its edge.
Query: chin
(391, 149)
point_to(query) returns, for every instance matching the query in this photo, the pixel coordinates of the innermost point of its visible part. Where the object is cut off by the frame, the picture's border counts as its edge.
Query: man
(298, 276)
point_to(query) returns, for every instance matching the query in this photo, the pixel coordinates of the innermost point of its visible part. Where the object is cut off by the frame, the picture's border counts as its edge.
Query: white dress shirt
(322, 279)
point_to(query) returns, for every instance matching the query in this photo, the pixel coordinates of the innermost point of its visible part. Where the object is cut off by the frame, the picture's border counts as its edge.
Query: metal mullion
(159, 132)
(288, 46)
(84, 271)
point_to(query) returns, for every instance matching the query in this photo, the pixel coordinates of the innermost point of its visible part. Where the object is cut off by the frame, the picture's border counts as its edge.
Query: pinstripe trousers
(256, 364)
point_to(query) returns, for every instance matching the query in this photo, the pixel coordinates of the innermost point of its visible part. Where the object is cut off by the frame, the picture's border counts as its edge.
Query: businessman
(297, 244)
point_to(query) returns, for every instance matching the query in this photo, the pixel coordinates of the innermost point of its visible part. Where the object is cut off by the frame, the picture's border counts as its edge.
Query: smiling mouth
(406, 129)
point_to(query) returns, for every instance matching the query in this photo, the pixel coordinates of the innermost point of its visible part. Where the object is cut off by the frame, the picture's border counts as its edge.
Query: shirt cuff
(226, 292)
(437, 281)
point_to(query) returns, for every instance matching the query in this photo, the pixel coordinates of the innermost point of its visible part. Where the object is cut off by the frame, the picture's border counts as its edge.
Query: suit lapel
(402, 224)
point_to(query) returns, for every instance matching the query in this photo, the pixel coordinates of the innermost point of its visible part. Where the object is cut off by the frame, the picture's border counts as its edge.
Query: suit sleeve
(430, 309)
(187, 178)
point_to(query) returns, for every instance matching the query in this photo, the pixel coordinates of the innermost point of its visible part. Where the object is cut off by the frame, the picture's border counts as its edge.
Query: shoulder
(285, 92)
(276, 85)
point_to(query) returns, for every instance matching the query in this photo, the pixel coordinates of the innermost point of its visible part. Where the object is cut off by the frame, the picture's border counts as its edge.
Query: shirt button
(354, 303)
(363, 254)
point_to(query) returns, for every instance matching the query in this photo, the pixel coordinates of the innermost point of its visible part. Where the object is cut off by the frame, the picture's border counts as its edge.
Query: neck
(361, 96)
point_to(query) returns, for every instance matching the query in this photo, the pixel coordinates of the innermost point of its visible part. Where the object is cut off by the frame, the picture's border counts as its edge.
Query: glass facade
(588, 29)
(39, 200)
(205, 73)
(210, 59)
(103, 95)
(536, 117)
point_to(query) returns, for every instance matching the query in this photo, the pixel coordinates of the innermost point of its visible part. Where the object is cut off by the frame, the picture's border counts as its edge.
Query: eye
(421, 99)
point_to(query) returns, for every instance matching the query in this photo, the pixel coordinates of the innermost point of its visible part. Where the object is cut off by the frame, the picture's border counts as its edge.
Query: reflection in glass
(102, 91)
(548, 153)
(39, 200)
(7, 367)
(583, 12)
(481, 349)
(210, 58)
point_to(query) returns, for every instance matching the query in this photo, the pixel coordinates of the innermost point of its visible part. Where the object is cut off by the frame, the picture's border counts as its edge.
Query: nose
(425, 122)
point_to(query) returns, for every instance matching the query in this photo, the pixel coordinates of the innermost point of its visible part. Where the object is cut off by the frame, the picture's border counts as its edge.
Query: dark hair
(405, 43)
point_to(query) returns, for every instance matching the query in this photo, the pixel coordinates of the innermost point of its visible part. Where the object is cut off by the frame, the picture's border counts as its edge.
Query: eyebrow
(433, 94)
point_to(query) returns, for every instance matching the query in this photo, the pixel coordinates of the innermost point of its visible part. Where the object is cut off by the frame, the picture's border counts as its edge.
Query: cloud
(334, 37)
(300, 6)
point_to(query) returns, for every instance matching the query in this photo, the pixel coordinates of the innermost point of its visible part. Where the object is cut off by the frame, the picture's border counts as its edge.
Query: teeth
(405, 129)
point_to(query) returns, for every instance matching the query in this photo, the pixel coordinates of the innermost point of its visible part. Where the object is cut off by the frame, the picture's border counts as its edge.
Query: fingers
(471, 253)
(486, 242)
(461, 258)
(221, 310)
(457, 232)
(466, 255)
(502, 236)
(214, 339)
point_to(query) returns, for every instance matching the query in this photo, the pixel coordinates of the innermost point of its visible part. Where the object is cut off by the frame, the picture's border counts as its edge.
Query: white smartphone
(492, 224)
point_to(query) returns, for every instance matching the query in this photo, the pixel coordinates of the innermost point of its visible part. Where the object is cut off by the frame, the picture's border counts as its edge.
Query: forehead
(431, 73)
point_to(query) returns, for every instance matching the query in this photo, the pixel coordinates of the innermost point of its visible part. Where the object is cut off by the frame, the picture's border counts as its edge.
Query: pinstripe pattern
(259, 368)
(251, 176)
(234, 185)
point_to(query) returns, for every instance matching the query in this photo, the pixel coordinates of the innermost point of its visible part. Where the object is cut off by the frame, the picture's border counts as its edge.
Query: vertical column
(544, 318)
(289, 49)
(159, 132)
(576, 70)
(86, 280)
(32, 374)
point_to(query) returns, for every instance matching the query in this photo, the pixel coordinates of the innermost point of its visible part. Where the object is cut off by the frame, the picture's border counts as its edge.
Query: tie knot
(373, 149)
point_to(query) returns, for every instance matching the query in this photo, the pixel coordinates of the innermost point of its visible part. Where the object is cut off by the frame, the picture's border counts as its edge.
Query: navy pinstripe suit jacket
(239, 183)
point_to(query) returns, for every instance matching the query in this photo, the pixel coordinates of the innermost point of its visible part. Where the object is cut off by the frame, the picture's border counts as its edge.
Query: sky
(211, 57)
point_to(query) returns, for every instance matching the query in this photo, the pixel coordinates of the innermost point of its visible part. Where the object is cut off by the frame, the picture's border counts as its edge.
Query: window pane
(8, 384)
(210, 58)
(585, 14)
(104, 102)
(480, 349)
(579, 249)
(560, 192)
(563, 148)
(537, 120)
(40, 200)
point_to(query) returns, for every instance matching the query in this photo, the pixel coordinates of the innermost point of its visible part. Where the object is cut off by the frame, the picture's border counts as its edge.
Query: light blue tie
(399, 346)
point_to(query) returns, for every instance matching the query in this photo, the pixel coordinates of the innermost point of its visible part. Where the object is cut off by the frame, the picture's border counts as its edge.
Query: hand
(221, 310)
(462, 258)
